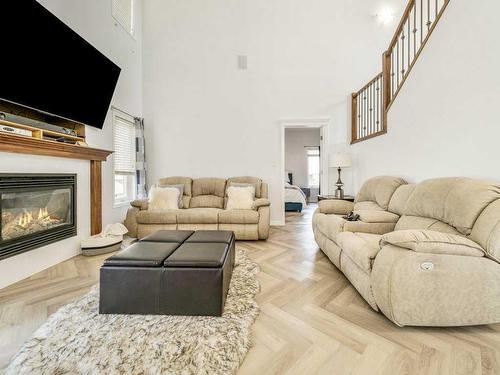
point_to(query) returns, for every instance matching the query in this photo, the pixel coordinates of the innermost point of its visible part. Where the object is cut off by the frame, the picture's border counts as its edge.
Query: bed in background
(295, 199)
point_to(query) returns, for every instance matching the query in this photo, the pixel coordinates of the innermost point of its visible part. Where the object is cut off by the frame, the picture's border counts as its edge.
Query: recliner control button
(427, 266)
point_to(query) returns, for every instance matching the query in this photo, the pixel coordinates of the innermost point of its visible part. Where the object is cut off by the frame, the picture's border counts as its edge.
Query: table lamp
(340, 160)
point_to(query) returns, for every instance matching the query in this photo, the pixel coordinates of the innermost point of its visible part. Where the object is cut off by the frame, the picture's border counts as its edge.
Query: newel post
(354, 117)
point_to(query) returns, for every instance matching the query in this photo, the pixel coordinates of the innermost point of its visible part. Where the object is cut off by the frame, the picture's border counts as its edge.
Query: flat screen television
(48, 67)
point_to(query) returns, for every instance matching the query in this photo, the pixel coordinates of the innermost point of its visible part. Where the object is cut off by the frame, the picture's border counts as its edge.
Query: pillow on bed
(240, 197)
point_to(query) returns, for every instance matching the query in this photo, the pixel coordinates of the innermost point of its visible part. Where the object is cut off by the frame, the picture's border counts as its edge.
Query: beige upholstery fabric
(249, 180)
(335, 206)
(242, 231)
(206, 201)
(374, 228)
(456, 201)
(157, 217)
(330, 248)
(366, 206)
(428, 241)
(240, 198)
(197, 226)
(209, 186)
(186, 181)
(486, 230)
(362, 248)
(131, 221)
(368, 216)
(415, 222)
(198, 216)
(238, 217)
(264, 222)
(261, 202)
(380, 190)
(163, 198)
(176, 180)
(140, 203)
(398, 200)
(358, 278)
(264, 193)
(329, 225)
(457, 290)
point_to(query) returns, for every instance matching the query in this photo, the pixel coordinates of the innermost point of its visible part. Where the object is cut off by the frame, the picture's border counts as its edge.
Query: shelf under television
(41, 133)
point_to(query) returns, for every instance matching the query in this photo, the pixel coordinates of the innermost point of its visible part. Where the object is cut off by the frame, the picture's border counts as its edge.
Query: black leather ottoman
(170, 272)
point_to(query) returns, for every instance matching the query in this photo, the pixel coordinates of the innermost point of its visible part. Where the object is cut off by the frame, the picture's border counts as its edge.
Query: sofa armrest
(261, 202)
(141, 204)
(374, 216)
(131, 221)
(264, 222)
(429, 241)
(335, 206)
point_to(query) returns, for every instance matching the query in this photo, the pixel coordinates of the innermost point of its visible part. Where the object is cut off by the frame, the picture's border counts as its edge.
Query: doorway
(304, 172)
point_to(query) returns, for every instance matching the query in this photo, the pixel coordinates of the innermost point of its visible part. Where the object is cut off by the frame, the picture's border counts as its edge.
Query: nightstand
(349, 198)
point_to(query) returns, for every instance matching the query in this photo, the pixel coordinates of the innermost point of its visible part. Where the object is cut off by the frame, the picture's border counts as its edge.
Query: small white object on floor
(109, 240)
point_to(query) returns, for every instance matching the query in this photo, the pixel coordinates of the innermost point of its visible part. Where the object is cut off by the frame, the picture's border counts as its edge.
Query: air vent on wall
(123, 13)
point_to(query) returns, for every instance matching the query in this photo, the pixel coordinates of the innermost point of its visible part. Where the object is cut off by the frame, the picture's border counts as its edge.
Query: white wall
(204, 117)
(296, 141)
(445, 121)
(93, 21)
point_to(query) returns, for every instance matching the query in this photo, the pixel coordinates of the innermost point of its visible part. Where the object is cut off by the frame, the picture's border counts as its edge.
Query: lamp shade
(340, 160)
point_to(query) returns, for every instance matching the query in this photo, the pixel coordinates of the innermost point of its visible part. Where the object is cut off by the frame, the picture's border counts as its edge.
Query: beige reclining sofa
(204, 201)
(425, 254)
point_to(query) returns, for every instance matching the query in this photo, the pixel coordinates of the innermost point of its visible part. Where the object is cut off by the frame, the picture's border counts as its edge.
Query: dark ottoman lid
(178, 236)
(224, 236)
(198, 255)
(142, 254)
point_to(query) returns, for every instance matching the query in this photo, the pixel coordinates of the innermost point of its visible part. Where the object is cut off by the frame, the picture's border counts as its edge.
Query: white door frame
(318, 123)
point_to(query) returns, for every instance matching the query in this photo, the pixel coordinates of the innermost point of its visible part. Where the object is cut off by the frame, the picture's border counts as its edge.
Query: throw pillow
(243, 184)
(163, 198)
(240, 198)
(181, 192)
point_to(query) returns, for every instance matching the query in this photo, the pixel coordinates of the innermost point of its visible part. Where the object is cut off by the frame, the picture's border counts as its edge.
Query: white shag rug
(77, 340)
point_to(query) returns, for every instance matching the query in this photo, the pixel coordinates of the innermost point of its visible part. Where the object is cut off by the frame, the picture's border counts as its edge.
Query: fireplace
(35, 210)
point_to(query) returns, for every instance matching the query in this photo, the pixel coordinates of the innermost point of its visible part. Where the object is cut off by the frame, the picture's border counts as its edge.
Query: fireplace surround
(35, 210)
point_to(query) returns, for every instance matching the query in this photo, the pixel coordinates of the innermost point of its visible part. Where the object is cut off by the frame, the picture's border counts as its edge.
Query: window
(124, 157)
(123, 13)
(313, 166)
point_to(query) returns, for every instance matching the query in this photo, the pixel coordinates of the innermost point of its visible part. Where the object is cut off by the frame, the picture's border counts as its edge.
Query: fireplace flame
(27, 217)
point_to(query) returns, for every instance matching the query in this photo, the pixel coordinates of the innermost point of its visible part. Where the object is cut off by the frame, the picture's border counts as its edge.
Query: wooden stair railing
(370, 104)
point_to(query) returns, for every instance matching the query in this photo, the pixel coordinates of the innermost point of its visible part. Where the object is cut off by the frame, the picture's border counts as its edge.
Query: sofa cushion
(335, 206)
(398, 200)
(157, 217)
(176, 180)
(457, 201)
(209, 186)
(380, 190)
(238, 217)
(417, 222)
(429, 241)
(486, 231)
(367, 206)
(198, 216)
(207, 201)
(163, 198)
(257, 182)
(329, 225)
(370, 216)
(240, 198)
(362, 248)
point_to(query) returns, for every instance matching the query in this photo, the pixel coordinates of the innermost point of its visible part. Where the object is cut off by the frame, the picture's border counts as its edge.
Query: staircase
(372, 102)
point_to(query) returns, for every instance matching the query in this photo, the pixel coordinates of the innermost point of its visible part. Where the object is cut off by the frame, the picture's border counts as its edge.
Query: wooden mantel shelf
(29, 145)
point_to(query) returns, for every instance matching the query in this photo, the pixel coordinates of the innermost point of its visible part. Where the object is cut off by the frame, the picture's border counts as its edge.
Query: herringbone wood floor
(311, 322)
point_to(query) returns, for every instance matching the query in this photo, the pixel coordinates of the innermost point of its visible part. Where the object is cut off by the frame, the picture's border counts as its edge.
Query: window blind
(124, 142)
(123, 13)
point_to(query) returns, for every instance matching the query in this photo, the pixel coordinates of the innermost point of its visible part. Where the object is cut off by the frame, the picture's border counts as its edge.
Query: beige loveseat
(437, 266)
(204, 200)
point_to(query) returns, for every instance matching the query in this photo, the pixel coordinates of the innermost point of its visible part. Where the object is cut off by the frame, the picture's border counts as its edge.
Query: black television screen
(48, 67)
